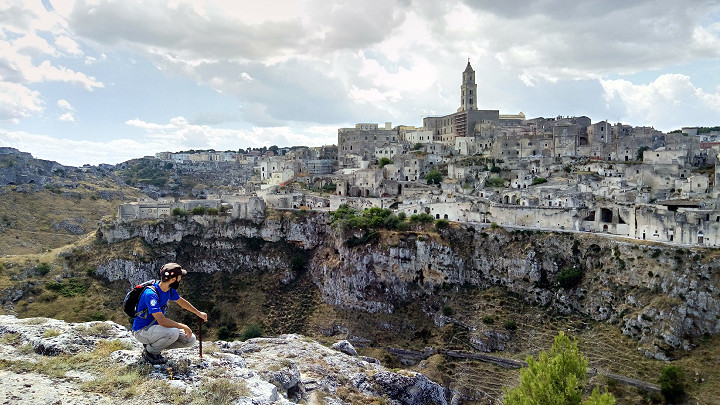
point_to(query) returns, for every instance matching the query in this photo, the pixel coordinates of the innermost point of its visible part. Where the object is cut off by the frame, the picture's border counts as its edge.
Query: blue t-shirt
(153, 303)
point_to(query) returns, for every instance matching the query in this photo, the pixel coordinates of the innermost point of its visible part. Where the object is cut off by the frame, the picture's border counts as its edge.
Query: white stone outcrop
(281, 370)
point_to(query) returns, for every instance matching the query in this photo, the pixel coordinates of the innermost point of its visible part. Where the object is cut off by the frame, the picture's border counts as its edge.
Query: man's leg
(157, 338)
(183, 341)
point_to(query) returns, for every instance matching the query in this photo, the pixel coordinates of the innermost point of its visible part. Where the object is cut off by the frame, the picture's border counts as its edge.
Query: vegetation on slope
(63, 285)
(57, 215)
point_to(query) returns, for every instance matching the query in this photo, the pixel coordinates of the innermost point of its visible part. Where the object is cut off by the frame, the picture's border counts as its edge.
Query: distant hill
(46, 205)
(158, 178)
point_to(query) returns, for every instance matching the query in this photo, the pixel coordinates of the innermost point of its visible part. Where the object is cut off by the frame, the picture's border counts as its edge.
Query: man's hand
(186, 330)
(202, 315)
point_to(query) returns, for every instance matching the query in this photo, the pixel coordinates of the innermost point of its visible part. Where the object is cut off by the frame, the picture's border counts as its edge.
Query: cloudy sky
(104, 81)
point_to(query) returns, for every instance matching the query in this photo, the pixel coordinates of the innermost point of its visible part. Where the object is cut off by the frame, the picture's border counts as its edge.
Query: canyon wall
(663, 296)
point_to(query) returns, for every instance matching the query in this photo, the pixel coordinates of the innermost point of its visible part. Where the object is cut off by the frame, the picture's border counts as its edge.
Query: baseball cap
(171, 270)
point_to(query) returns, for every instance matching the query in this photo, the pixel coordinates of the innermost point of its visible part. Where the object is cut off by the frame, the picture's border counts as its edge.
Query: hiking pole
(200, 334)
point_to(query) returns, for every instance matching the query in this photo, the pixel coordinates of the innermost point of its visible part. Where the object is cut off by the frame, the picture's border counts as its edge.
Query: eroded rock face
(307, 231)
(287, 369)
(662, 300)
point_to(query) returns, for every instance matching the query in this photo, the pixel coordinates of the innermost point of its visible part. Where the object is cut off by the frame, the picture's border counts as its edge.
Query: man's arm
(189, 307)
(169, 323)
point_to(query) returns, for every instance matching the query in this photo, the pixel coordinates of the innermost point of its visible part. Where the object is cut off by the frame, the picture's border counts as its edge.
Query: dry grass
(51, 333)
(218, 391)
(125, 382)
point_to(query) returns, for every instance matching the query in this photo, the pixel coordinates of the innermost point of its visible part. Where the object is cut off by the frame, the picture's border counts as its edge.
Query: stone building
(364, 139)
(461, 123)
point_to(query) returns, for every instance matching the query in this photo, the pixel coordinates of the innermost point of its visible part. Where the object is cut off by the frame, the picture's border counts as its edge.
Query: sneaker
(153, 358)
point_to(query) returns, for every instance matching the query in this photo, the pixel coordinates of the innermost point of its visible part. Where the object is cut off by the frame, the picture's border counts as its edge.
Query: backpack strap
(144, 313)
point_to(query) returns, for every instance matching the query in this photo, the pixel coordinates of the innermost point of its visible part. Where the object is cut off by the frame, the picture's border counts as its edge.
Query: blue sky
(104, 81)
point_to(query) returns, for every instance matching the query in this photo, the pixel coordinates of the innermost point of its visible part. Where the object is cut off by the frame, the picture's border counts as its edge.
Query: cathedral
(461, 123)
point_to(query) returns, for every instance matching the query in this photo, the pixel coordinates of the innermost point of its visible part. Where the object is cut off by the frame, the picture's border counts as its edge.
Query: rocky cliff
(50, 361)
(663, 296)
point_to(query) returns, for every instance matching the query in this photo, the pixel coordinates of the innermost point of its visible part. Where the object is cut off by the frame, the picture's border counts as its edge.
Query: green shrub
(329, 187)
(213, 211)
(422, 218)
(368, 237)
(390, 222)
(42, 269)
(495, 182)
(401, 216)
(510, 324)
(488, 320)
(433, 177)
(179, 212)
(225, 333)
(402, 227)
(251, 331)
(494, 225)
(96, 316)
(199, 211)
(570, 277)
(447, 311)
(442, 224)
(539, 180)
(384, 162)
(375, 216)
(672, 384)
(70, 289)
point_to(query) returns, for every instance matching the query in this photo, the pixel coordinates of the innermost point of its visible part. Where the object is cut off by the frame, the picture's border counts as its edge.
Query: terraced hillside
(45, 205)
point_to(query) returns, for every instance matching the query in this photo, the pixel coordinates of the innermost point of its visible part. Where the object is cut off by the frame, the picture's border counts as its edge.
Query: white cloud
(32, 45)
(181, 134)
(67, 117)
(65, 105)
(669, 100)
(18, 101)
(292, 64)
(66, 45)
(65, 151)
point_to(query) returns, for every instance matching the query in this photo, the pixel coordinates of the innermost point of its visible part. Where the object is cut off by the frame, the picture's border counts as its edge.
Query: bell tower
(468, 90)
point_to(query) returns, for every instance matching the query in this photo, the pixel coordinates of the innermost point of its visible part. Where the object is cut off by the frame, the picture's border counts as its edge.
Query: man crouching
(151, 327)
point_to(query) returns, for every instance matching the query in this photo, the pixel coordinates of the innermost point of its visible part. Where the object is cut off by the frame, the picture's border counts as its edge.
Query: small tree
(417, 146)
(640, 152)
(433, 177)
(384, 162)
(199, 210)
(251, 331)
(329, 187)
(442, 223)
(570, 277)
(557, 377)
(672, 386)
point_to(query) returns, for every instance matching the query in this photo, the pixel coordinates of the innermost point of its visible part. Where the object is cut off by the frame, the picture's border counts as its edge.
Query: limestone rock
(345, 347)
(281, 370)
(415, 389)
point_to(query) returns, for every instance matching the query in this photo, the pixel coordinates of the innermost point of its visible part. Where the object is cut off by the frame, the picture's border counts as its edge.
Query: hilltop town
(479, 166)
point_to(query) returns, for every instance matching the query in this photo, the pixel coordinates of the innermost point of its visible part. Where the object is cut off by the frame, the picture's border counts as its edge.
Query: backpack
(133, 297)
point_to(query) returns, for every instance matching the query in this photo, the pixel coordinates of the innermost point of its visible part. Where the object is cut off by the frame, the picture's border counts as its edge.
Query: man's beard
(175, 285)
